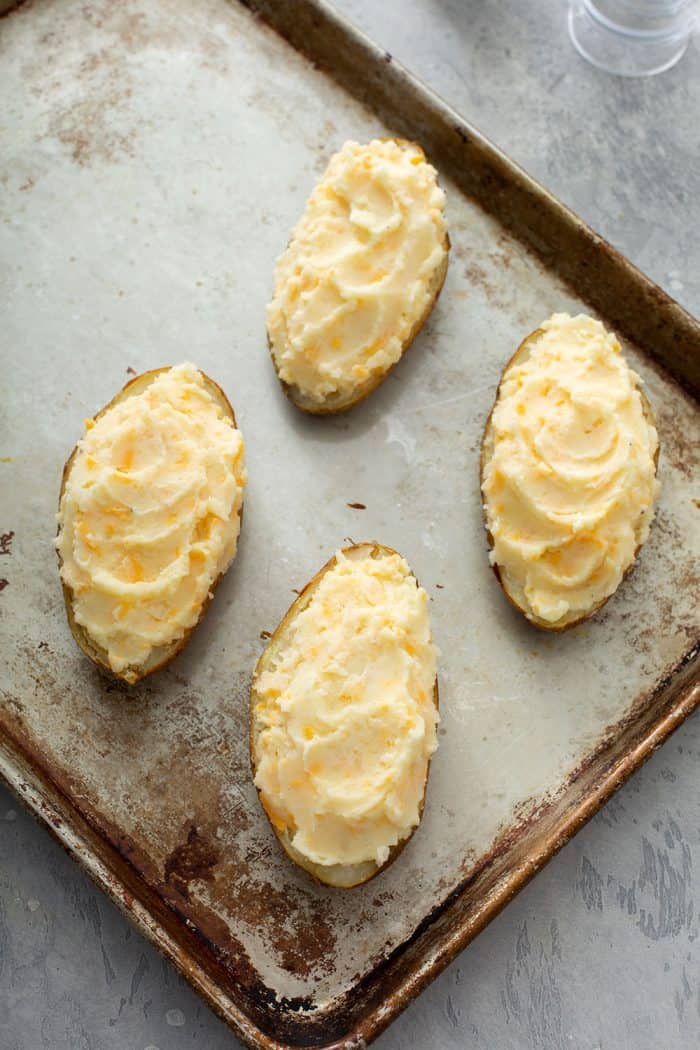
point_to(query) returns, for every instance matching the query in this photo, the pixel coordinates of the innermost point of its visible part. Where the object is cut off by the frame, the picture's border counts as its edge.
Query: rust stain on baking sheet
(95, 121)
(195, 858)
(684, 578)
(678, 445)
(85, 125)
(6, 539)
(304, 937)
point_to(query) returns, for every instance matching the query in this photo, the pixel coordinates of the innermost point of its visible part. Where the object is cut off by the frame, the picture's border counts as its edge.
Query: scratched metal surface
(157, 156)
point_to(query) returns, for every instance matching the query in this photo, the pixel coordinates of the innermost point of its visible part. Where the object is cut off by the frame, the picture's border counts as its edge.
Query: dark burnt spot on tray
(130, 371)
(210, 938)
(265, 635)
(697, 503)
(237, 819)
(6, 539)
(3, 584)
(193, 859)
(301, 932)
(13, 9)
(357, 506)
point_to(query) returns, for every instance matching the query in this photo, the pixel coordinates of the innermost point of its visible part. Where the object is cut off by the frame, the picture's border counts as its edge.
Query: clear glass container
(632, 38)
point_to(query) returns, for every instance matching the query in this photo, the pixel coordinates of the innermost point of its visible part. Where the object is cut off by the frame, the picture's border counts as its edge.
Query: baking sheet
(155, 157)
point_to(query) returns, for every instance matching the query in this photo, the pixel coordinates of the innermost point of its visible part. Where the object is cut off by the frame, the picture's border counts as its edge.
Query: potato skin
(337, 875)
(162, 656)
(332, 405)
(485, 451)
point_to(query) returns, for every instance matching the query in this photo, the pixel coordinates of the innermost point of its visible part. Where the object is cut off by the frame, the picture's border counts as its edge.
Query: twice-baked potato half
(361, 273)
(343, 716)
(148, 520)
(568, 472)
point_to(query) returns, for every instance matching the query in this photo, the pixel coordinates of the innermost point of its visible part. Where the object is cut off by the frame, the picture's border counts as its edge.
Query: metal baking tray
(156, 157)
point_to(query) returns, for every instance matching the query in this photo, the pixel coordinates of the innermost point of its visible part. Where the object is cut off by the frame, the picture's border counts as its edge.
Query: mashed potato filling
(570, 485)
(150, 515)
(348, 715)
(357, 275)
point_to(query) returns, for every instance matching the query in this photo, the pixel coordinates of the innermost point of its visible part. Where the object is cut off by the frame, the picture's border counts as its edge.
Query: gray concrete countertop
(600, 951)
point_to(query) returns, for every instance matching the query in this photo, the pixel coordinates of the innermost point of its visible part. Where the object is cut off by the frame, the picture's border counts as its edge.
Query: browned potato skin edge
(297, 606)
(544, 625)
(94, 652)
(314, 408)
